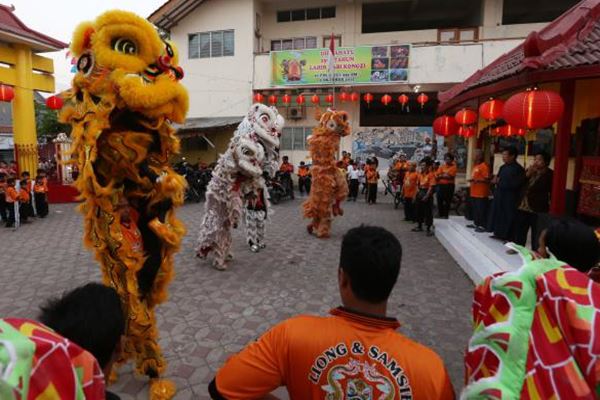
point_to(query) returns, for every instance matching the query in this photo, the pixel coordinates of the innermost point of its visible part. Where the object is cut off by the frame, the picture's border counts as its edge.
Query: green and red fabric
(536, 334)
(38, 364)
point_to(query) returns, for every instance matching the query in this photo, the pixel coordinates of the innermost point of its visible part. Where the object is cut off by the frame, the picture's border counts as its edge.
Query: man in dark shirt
(536, 200)
(509, 183)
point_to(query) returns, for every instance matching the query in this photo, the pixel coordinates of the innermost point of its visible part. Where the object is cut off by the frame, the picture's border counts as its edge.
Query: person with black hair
(509, 183)
(570, 241)
(11, 197)
(308, 354)
(536, 200)
(424, 198)
(3, 210)
(92, 317)
(445, 176)
(40, 196)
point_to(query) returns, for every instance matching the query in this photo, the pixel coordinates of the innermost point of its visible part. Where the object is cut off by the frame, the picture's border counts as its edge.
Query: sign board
(353, 65)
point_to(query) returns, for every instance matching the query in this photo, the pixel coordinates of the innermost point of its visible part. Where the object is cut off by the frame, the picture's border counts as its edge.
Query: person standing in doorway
(479, 192)
(424, 198)
(409, 192)
(353, 181)
(536, 200)
(509, 183)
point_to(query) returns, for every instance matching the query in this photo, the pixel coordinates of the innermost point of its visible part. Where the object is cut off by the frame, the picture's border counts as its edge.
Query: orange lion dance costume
(329, 186)
(124, 96)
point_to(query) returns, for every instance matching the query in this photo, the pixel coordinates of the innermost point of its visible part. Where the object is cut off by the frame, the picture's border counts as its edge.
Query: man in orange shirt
(40, 194)
(424, 198)
(3, 211)
(409, 191)
(372, 178)
(479, 192)
(353, 353)
(25, 209)
(303, 178)
(11, 198)
(286, 169)
(445, 175)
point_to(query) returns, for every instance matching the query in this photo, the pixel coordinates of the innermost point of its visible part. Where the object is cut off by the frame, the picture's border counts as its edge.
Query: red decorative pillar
(561, 150)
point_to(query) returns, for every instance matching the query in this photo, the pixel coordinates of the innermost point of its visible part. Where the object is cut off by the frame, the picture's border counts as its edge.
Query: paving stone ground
(212, 314)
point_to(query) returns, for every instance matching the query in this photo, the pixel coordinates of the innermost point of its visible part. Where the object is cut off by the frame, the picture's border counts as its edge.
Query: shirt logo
(367, 374)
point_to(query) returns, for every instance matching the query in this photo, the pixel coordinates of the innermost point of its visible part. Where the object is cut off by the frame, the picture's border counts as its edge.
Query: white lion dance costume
(237, 184)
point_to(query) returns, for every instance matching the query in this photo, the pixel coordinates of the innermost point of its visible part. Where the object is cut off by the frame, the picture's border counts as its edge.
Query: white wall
(220, 86)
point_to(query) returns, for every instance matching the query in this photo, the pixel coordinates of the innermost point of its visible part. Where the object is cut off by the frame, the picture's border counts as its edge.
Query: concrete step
(477, 254)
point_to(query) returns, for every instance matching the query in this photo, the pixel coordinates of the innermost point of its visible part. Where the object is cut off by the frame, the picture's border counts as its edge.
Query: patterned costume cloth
(536, 334)
(124, 95)
(329, 187)
(38, 364)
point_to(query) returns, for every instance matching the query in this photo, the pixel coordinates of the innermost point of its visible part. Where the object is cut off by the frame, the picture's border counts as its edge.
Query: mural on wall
(384, 143)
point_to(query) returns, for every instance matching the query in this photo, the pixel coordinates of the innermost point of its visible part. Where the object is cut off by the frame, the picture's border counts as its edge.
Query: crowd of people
(22, 198)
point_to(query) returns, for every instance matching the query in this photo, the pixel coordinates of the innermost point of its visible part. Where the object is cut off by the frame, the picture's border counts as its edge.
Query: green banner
(365, 64)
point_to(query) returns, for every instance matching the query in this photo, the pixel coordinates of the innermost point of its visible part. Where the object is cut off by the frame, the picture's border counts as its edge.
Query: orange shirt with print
(427, 180)
(410, 185)
(303, 172)
(480, 190)
(446, 169)
(347, 351)
(11, 194)
(372, 175)
(286, 167)
(24, 196)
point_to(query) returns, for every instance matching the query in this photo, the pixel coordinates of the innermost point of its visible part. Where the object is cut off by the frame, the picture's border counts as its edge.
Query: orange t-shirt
(447, 170)
(286, 167)
(303, 171)
(41, 188)
(372, 175)
(410, 185)
(427, 180)
(24, 196)
(480, 189)
(347, 352)
(11, 194)
(401, 165)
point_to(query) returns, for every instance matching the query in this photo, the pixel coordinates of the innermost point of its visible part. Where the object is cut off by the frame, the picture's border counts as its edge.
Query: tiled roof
(570, 41)
(9, 23)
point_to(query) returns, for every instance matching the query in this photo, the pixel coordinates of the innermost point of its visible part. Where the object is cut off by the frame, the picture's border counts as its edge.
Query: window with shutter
(205, 45)
(194, 46)
(216, 44)
(228, 43)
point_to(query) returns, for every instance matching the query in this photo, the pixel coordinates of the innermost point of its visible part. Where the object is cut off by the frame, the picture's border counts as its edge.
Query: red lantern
(259, 98)
(466, 117)
(491, 110)
(7, 93)
(403, 99)
(422, 99)
(354, 96)
(368, 98)
(315, 99)
(287, 99)
(54, 102)
(509, 130)
(533, 109)
(329, 98)
(272, 99)
(467, 131)
(300, 99)
(445, 126)
(344, 97)
(386, 99)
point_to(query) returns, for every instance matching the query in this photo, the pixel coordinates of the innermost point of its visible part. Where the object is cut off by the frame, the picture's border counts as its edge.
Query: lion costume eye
(331, 124)
(265, 118)
(124, 45)
(247, 152)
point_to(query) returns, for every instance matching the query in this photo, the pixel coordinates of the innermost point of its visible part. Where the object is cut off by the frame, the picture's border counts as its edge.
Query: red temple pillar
(561, 150)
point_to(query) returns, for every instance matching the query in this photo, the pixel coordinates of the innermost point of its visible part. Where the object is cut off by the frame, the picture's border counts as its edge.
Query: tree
(47, 122)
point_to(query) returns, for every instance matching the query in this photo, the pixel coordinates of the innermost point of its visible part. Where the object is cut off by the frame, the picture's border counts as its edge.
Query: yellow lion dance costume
(124, 95)
(329, 186)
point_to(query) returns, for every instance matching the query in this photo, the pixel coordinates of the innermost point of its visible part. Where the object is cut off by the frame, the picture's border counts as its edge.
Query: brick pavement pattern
(212, 314)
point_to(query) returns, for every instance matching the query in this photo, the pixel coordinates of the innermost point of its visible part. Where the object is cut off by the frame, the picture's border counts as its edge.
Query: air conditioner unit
(296, 112)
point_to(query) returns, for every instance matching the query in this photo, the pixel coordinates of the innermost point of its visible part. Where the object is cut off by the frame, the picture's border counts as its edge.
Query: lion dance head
(124, 96)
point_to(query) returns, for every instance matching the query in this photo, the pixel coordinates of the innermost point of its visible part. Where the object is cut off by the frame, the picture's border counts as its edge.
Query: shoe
(262, 245)
(495, 237)
(472, 226)
(511, 251)
(219, 267)
(479, 229)
(254, 248)
(429, 233)
(417, 229)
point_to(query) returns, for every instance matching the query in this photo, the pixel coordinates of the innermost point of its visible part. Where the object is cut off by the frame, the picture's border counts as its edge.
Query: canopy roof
(13, 30)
